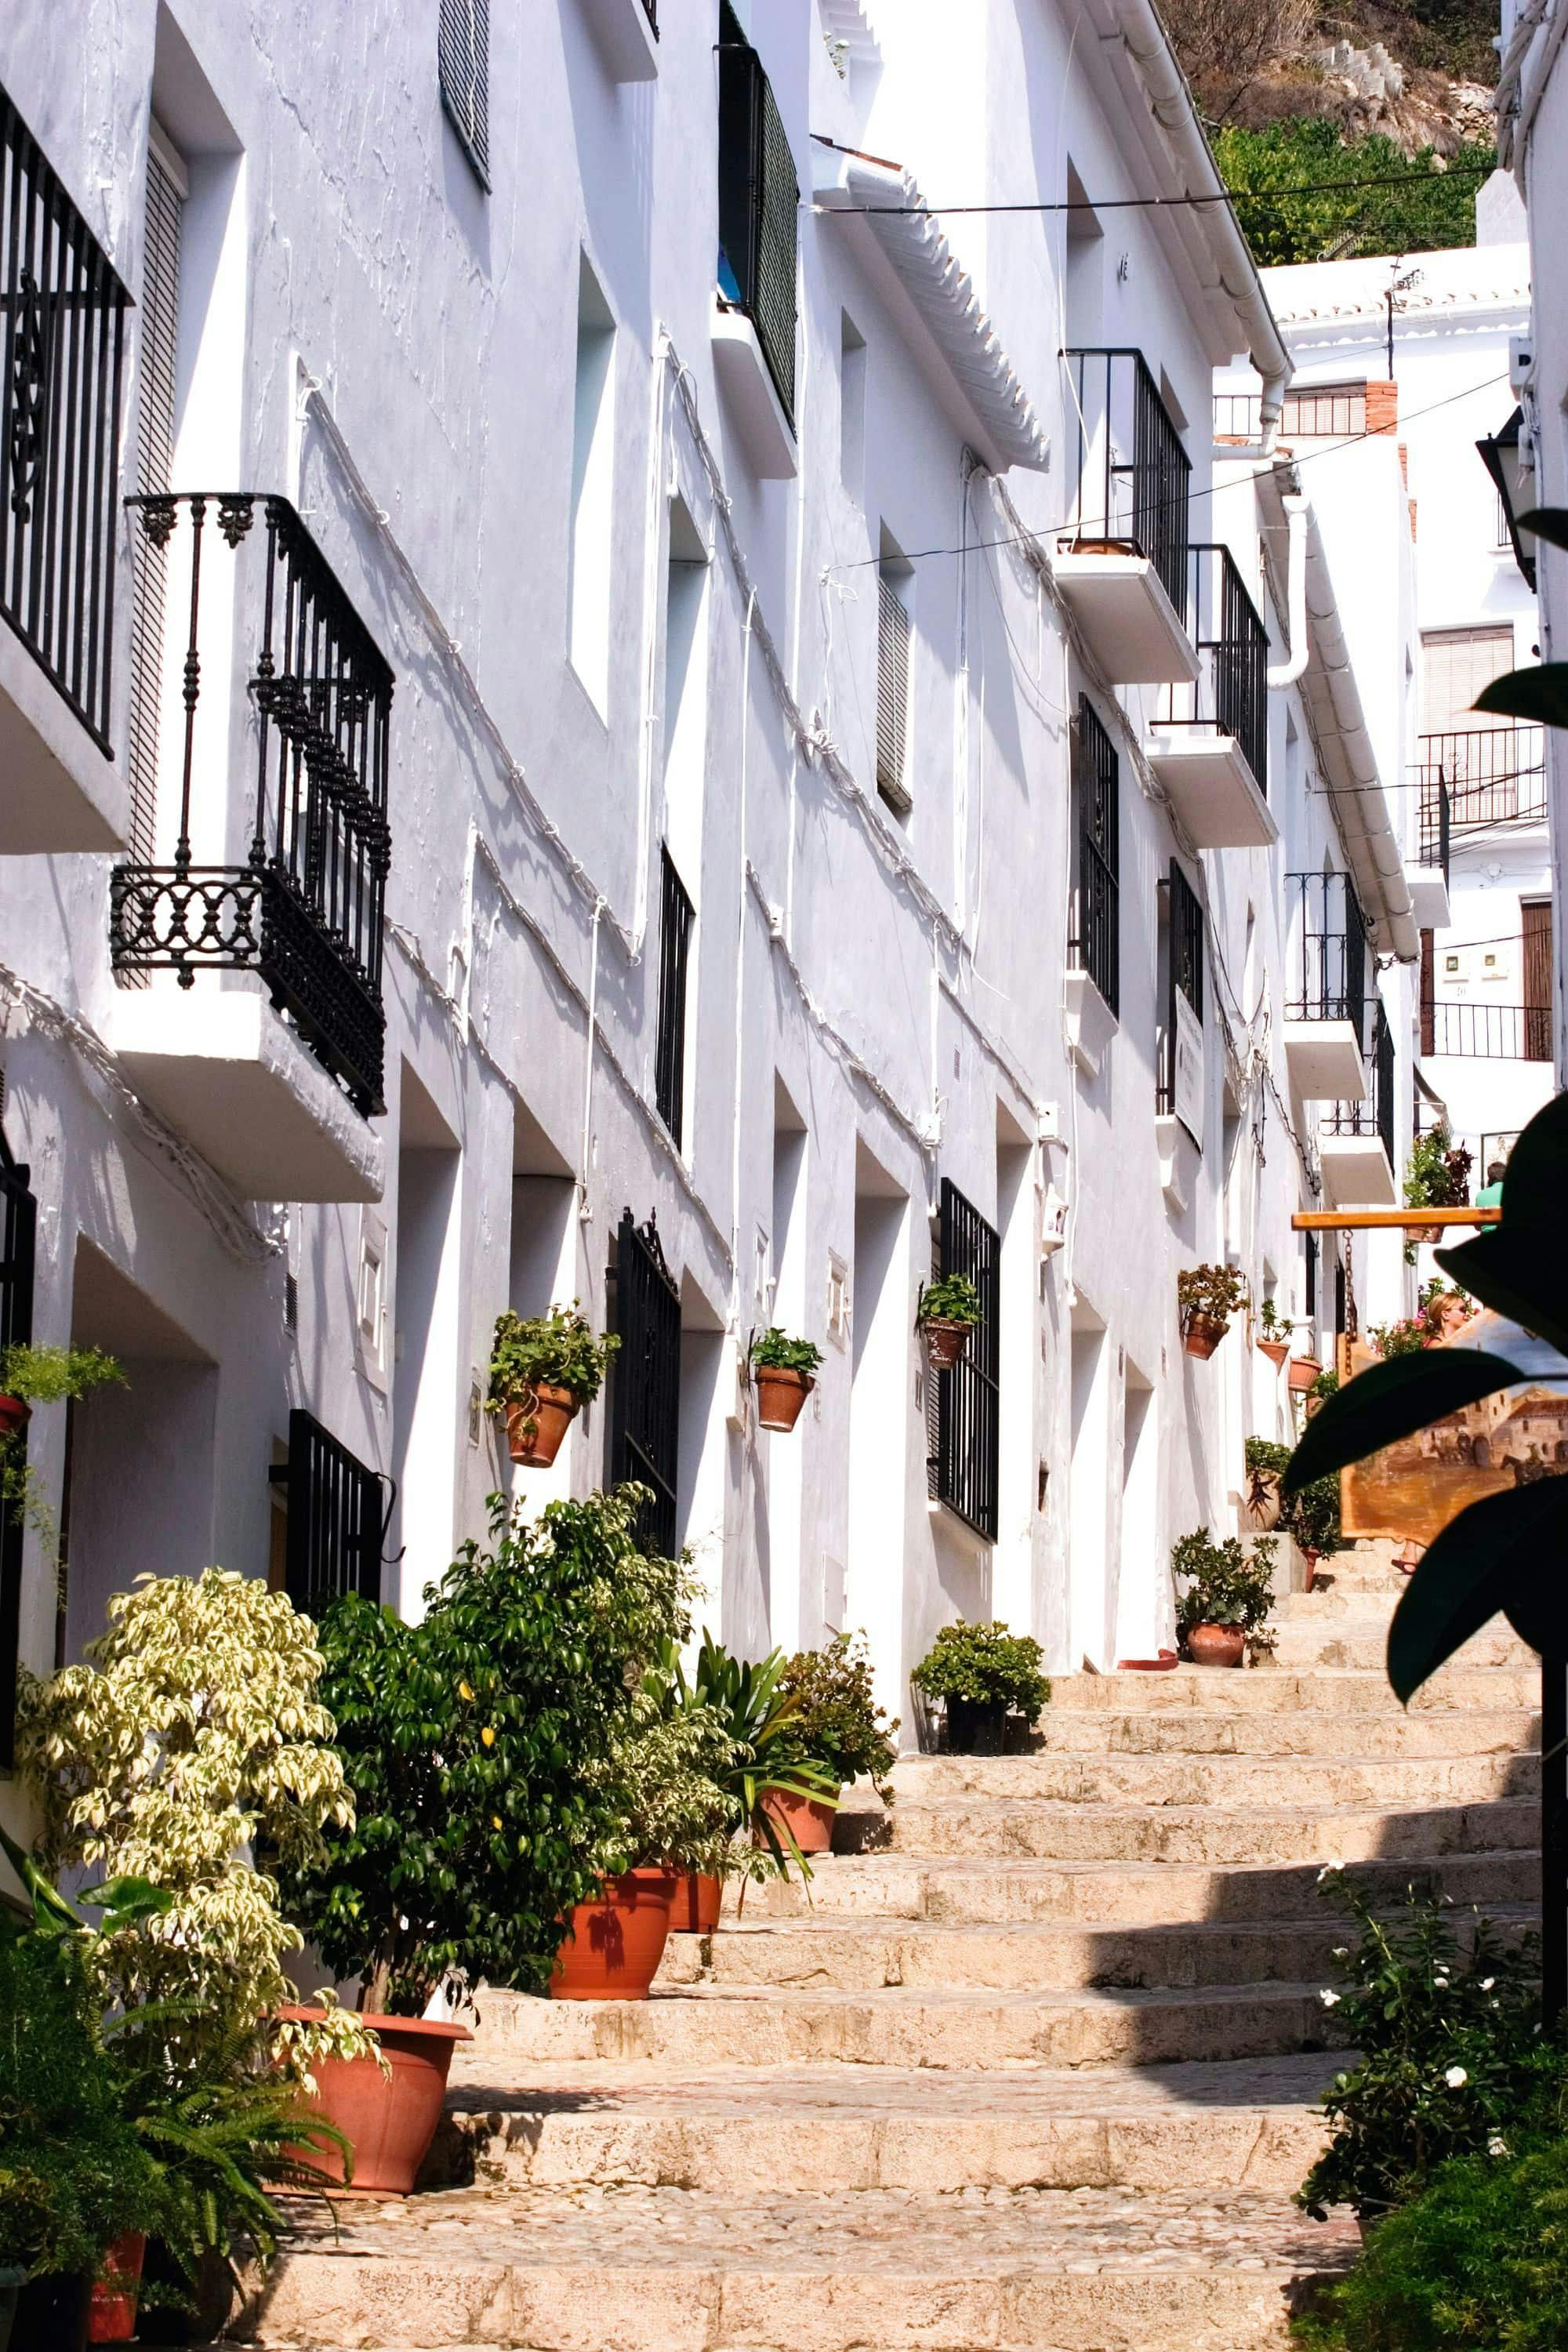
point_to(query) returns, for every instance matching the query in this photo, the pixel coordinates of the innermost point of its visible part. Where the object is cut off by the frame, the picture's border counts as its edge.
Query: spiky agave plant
(758, 1714)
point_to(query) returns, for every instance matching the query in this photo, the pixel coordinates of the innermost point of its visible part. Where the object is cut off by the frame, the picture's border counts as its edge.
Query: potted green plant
(1207, 1296)
(1225, 1595)
(948, 1312)
(1266, 1462)
(1274, 1331)
(835, 1722)
(983, 1674)
(783, 1371)
(543, 1370)
(1437, 1176)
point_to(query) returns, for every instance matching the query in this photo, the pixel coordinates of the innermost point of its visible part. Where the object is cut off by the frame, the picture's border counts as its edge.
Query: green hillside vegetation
(1432, 205)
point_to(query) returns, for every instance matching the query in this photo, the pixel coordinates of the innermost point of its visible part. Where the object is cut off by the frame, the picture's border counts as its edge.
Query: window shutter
(18, 1225)
(892, 695)
(336, 1519)
(1456, 664)
(463, 59)
(963, 1470)
(160, 309)
(759, 199)
(645, 1377)
(669, 1042)
(1097, 789)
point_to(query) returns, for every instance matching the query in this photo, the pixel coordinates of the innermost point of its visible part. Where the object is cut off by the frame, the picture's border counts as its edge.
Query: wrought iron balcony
(1133, 475)
(1328, 958)
(1482, 1032)
(1436, 824)
(63, 311)
(1373, 1115)
(1209, 745)
(303, 906)
(1493, 775)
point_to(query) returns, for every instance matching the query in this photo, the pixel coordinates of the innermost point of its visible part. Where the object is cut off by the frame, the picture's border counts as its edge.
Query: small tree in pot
(543, 1369)
(947, 1314)
(1207, 1296)
(983, 1674)
(1266, 1462)
(1226, 1597)
(837, 1722)
(783, 1371)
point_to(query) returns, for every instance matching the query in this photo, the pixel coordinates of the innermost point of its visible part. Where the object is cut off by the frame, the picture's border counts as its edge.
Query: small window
(336, 1517)
(1096, 944)
(463, 56)
(669, 1047)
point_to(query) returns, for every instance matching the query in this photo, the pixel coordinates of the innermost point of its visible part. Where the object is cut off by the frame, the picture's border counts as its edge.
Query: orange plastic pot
(780, 1395)
(1216, 1645)
(536, 1423)
(809, 1820)
(699, 1898)
(111, 2312)
(388, 2120)
(1201, 1334)
(613, 1948)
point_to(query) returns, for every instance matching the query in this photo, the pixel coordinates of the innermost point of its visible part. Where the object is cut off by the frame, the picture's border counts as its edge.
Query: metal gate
(18, 1225)
(337, 1518)
(963, 1470)
(645, 1377)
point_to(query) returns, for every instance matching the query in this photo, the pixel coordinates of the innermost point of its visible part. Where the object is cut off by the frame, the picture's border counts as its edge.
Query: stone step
(1361, 1690)
(1350, 1572)
(1363, 1644)
(865, 1956)
(1214, 1731)
(1330, 1601)
(1256, 1834)
(905, 2026)
(1162, 1779)
(675, 2270)
(1231, 2124)
(1110, 1894)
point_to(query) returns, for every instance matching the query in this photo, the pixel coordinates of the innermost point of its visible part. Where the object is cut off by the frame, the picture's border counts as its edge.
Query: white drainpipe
(1297, 513)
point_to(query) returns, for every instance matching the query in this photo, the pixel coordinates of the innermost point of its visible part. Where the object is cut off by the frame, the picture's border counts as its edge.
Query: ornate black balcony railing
(1374, 1114)
(1133, 474)
(304, 908)
(1436, 824)
(1494, 775)
(1328, 956)
(62, 337)
(1232, 689)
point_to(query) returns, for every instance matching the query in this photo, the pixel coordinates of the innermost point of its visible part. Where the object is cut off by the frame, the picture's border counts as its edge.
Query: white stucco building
(703, 791)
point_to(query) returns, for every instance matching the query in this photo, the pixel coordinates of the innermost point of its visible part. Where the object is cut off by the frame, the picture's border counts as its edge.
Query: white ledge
(1091, 1023)
(943, 295)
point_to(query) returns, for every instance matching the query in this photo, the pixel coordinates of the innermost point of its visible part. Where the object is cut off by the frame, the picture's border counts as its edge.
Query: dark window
(1095, 946)
(463, 53)
(1340, 1300)
(18, 1222)
(758, 198)
(1310, 1239)
(1184, 975)
(644, 1376)
(963, 1421)
(338, 1511)
(670, 1044)
(892, 695)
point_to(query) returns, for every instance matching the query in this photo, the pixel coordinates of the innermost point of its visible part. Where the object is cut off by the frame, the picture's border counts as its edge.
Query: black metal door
(337, 1515)
(967, 1421)
(18, 1225)
(645, 1377)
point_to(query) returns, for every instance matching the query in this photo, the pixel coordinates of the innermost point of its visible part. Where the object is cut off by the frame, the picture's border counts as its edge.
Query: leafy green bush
(1431, 204)
(559, 1351)
(985, 1665)
(49, 1375)
(1450, 2050)
(1312, 1515)
(476, 1744)
(836, 1720)
(1225, 1585)
(951, 1298)
(1437, 1173)
(776, 1352)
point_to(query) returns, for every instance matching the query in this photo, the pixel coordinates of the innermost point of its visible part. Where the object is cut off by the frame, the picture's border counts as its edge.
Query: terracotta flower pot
(976, 1727)
(1303, 1372)
(1201, 1334)
(1262, 1505)
(780, 1395)
(1165, 1664)
(16, 1413)
(112, 2312)
(809, 1820)
(945, 1340)
(388, 2120)
(1275, 1349)
(1423, 1233)
(1216, 1645)
(614, 1945)
(699, 1896)
(536, 1423)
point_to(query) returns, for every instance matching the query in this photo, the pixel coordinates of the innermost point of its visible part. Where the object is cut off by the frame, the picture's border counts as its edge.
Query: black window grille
(758, 200)
(305, 910)
(645, 1377)
(1310, 1240)
(1328, 960)
(338, 1512)
(1095, 942)
(18, 1227)
(463, 64)
(1185, 977)
(892, 695)
(962, 1421)
(1133, 474)
(1229, 630)
(62, 314)
(1342, 1301)
(669, 1042)
(1436, 821)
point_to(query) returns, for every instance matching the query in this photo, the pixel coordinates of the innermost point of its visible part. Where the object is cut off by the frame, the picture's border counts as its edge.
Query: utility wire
(1158, 204)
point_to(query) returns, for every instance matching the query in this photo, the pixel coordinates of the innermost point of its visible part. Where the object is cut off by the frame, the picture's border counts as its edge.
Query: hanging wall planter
(1201, 1334)
(783, 1371)
(1304, 1370)
(948, 1312)
(1207, 1298)
(543, 1370)
(1275, 1349)
(536, 1423)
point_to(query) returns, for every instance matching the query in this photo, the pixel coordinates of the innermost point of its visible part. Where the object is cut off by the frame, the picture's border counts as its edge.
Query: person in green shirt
(1490, 1194)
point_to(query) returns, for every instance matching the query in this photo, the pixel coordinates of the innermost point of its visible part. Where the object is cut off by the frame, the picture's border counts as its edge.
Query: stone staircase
(1030, 2067)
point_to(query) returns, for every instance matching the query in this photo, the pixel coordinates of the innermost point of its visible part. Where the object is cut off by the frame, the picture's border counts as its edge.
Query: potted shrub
(1207, 1296)
(1437, 1176)
(783, 1370)
(1228, 1595)
(836, 1723)
(1274, 1331)
(543, 1369)
(780, 1801)
(948, 1312)
(983, 1674)
(1266, 1462)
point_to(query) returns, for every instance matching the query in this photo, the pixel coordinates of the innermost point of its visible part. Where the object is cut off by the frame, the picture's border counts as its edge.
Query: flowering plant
(1450, 2048)
(1213, 1290)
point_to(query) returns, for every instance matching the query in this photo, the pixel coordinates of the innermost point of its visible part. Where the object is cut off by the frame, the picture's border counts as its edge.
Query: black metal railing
(1232, 689)
(1493, 775)
(1183, 978)
(1374, 1114)
(1436, 824)
(304, 908)
(1491, 1033)
(644, 1420)
(759, 197)
(1328, 958)
(1133, 477)
(338, 1513)
(63, 314)
(18, 1231)
(964, 1420)
(650, 10)
(669, 1040)
(1095, 946)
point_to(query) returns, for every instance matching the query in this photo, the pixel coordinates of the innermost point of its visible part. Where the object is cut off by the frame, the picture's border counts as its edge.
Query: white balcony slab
(1356, 1174)
(1129, 623)
(623, 37)
(58, 791)
(1324, 1059)
(748, 390)
(1212, 788)
(1180, 1161)
(1091, 1023)
(227, 1072)
(1428, 897)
